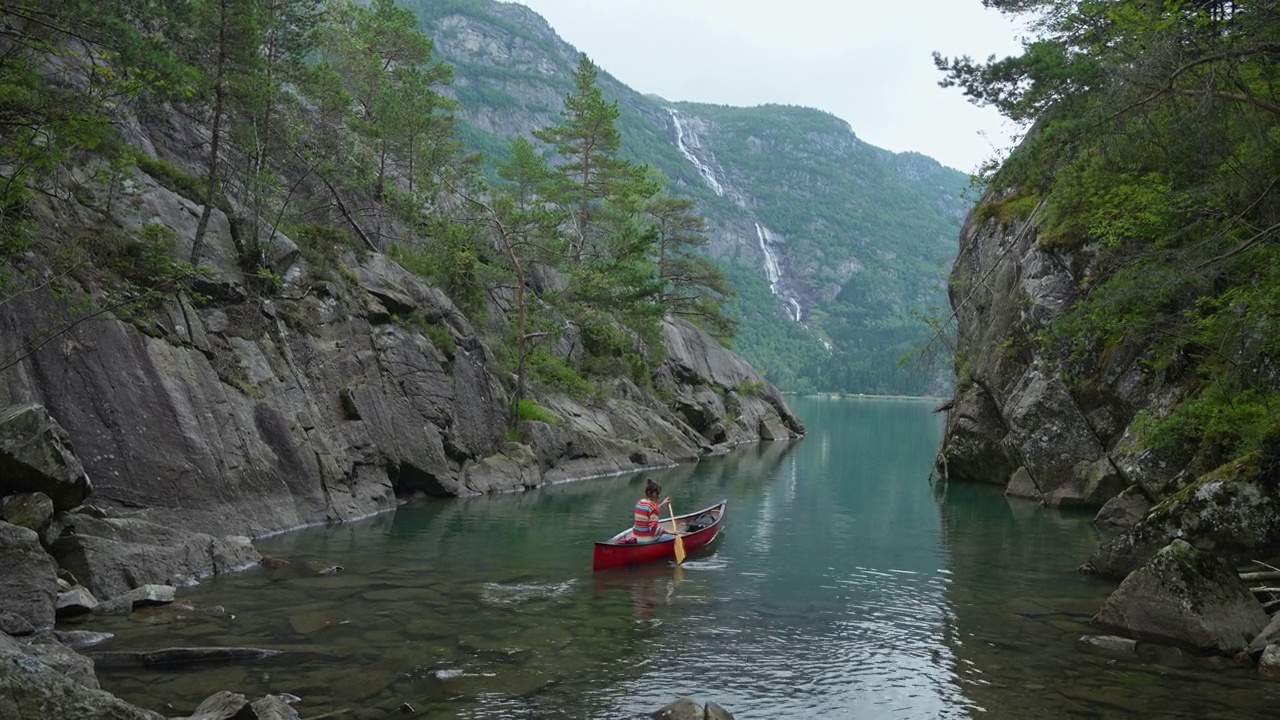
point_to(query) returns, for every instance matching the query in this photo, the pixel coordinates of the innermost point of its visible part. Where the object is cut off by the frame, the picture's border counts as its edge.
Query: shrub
(527, 409)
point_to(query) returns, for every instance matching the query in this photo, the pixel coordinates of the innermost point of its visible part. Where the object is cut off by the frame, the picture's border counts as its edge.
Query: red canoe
(622, 549)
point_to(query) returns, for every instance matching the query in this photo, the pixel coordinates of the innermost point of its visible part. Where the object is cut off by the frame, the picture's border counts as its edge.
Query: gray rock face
(30, 581)
(1013, 410)
(1187, 598)
(111, 556)
(243, 410)
(36, 456)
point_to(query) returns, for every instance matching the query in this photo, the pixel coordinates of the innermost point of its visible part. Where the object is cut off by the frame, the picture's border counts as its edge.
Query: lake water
(844, 585)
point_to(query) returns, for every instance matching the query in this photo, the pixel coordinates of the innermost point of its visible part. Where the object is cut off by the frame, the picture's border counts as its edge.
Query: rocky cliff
(1067, 429)
(240, 412)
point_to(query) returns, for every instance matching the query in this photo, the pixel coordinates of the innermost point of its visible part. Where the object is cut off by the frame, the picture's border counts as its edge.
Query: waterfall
(771, 269)
(702, 169)
(774, 272)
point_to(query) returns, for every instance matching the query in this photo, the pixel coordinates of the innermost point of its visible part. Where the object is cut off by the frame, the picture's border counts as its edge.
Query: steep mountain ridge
(831, 244)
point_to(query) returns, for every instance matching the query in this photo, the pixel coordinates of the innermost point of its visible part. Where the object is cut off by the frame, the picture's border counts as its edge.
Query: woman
(648, 513)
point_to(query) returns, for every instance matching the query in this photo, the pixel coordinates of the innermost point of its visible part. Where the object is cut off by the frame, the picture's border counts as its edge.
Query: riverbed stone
(75, 601)
(176, 656)
(138, 597)
(30, 582)
(81, 639)
(36, 456)
(1187, 598)
(1111, 644)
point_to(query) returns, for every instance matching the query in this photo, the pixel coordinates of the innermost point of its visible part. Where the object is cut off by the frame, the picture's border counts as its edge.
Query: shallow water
(843, 585)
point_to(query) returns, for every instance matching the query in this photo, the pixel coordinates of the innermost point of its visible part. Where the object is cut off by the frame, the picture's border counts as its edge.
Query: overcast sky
(866, 62)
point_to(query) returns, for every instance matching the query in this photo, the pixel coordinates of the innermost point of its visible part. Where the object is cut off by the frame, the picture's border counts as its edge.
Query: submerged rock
(1186, 598)
(688, 709)
(182, 656)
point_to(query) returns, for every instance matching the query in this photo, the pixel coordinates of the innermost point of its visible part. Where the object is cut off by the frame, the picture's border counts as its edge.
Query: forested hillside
(1117, 295)
(861, 238)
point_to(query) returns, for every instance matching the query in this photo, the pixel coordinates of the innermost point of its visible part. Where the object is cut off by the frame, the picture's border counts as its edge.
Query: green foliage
(171, 176)
(555, 374)
(527, 409)
(322, 246)
(1012, 207)
(1217, 425)
(145, 259)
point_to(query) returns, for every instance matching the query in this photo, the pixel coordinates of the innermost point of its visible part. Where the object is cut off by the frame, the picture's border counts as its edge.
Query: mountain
(833, 246)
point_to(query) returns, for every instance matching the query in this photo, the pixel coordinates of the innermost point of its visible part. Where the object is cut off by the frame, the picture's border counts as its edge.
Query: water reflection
(1020, 610)
(841, 586)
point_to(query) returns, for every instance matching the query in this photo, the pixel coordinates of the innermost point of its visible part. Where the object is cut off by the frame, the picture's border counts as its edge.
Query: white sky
(865, 61)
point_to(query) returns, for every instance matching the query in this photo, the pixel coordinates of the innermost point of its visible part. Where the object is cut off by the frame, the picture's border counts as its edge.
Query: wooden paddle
(676, 531)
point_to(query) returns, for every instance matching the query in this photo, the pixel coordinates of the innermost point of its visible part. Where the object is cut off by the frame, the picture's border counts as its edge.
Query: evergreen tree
(693, 286)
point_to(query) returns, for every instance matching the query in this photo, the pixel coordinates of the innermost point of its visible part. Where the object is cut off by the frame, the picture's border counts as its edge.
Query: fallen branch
(1260, 576)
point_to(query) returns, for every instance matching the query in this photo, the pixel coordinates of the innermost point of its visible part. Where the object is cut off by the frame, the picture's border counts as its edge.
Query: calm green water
(844, 585)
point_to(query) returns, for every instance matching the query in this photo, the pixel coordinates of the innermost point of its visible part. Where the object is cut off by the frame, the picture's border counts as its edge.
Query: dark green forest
(1154, 162)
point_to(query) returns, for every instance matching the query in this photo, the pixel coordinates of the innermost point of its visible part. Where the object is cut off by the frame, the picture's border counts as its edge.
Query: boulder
(1233, 512)
(1269, 635)
(146, 595)
(76, 601)
(515, 464)
(682, 709)
(30, 582)
(1021, 485)
(1269, 665)
(50, 651)
(226, 705)
(36, 456)
(81, 639)
(1186, 598)
(111, 556)
(29, 510)
(1123, 511)
(32, 688)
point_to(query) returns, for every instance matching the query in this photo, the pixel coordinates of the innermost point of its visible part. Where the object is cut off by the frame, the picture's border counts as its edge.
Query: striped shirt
(646, 519)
